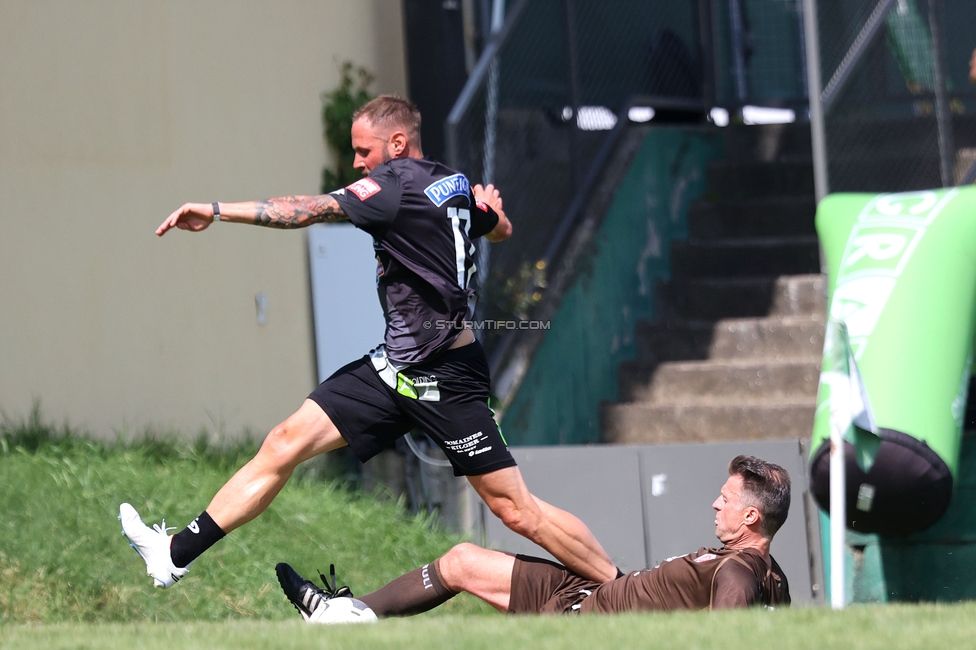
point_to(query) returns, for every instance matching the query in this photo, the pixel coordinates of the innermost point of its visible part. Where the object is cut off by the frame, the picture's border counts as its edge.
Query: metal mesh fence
(897, 99)
(538, 111)
(534, 119)
(758, 45)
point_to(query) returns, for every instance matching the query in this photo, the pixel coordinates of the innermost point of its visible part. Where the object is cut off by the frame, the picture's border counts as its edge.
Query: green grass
(63, 558)
(889, 627)
(69, 580)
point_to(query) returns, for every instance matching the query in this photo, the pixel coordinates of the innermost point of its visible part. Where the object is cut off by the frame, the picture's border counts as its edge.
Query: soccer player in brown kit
(430, 372)
(750, 508)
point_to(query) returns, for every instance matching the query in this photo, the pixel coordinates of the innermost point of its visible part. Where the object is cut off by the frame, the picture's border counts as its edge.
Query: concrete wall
(646, 503)
(112, 114)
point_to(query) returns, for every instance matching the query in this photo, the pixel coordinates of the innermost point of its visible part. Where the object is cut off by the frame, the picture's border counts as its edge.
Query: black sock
(412, 593)
(191, 542)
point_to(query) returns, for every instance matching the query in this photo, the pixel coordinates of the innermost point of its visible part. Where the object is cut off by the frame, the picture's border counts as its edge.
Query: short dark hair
(768, 485)
(390, 111)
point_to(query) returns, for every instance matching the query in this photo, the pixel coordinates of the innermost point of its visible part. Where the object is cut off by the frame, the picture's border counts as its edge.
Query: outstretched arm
(280, 212)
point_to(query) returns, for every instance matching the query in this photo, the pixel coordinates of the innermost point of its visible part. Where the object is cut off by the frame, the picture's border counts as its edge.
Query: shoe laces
(330, 585)
(162, 528)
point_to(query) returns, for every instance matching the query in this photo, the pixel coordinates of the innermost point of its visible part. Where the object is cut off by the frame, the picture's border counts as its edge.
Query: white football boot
(152, 545)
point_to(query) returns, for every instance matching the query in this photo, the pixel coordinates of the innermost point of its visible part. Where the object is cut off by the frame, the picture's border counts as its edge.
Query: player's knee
(279, 448)
(453, 565)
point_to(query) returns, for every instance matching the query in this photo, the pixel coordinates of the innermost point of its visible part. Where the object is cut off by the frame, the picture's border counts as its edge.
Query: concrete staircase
(736, 349)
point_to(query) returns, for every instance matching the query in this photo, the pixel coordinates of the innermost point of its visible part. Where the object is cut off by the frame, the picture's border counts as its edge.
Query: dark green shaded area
(575, 367)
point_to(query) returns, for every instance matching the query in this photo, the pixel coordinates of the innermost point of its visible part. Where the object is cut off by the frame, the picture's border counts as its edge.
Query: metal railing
(542, 109)
(896, 100)
(553, 90)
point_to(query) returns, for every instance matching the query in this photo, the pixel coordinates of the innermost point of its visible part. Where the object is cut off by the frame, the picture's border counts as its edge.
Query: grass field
(63, 557)
(890, 627)
(69, 580)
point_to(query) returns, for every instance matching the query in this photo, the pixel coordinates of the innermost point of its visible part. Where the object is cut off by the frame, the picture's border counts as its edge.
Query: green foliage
(63, 559)
(524, 289)
(338, 106)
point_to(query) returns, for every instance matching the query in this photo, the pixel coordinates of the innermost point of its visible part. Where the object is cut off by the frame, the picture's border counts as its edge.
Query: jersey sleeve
(372, 202)
(483, 218)
(735, 585)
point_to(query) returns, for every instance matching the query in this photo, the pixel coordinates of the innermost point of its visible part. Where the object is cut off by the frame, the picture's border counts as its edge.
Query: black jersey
(423, 219)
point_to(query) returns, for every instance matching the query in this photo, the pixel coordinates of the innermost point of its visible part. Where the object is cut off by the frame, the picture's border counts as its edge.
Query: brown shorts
(543, 587)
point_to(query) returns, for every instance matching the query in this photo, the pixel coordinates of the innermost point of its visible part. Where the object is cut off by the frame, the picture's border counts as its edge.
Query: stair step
(772, 256)
(675, 381)
(704, 422)
(716, 298)
(735, 352)
(750, 338)
(768, 142)
(730, 180)
(771, 216)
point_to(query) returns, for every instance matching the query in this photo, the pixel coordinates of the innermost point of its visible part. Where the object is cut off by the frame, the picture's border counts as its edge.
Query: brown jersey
(708, 579)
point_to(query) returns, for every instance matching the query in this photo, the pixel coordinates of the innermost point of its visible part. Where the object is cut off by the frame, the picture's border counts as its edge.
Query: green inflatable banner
(901, 283)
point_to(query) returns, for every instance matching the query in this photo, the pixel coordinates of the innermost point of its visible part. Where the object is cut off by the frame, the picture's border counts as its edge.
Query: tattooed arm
(281, 212)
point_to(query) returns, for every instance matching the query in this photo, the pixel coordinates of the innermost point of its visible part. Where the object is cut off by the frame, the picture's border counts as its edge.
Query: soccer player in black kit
(430, 372)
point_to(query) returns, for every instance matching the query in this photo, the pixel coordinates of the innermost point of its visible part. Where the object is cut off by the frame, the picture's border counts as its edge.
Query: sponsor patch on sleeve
(439, 192)
(364, 188)
(481, 205)
(706, 557)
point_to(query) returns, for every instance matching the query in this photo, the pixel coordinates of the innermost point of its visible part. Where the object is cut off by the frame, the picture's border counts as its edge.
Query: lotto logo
(364, 188)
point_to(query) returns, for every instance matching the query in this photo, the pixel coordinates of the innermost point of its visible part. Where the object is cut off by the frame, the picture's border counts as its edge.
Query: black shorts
(370, 415)
(543, 587)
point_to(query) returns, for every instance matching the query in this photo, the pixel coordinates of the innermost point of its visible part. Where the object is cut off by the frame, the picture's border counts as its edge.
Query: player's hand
(190, 216)
(489, 195)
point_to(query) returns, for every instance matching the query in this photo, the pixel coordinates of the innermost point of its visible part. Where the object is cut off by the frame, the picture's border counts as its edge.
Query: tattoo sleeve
(298, 211)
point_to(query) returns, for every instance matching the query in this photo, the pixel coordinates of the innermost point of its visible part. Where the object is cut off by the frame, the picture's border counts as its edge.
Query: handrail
(861, 42)
(579, 200)
(476, 80)
(505, 352)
